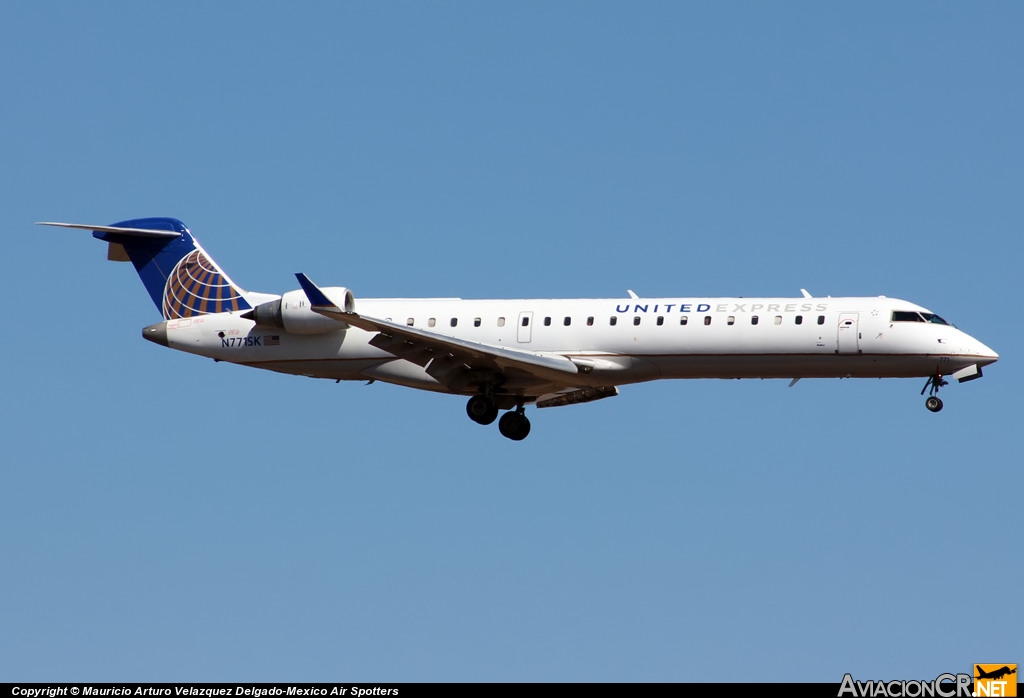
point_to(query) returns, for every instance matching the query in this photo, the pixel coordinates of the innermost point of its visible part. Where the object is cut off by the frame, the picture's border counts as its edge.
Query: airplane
(996, 674)
(507, 354)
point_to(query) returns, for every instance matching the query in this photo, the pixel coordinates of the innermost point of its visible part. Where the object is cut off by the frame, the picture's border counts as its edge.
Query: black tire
(933, 404)
(514, 425)
(524, 428)
(491, 415)
(481, 410)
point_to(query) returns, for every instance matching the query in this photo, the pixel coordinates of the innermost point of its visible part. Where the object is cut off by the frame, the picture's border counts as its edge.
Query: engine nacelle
(291, 312)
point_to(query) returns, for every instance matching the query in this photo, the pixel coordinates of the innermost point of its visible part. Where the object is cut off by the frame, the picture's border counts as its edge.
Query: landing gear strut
(514, 424)
(933, 403)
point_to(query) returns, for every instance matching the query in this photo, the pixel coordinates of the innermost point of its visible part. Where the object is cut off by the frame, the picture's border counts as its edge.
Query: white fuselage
(618, 341)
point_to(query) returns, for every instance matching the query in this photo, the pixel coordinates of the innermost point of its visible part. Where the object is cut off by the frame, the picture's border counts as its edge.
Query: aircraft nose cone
(156, 333)
(985, 355)
(990, 356)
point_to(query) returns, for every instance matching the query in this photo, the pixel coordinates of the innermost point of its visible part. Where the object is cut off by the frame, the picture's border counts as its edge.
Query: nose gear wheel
(933, 403)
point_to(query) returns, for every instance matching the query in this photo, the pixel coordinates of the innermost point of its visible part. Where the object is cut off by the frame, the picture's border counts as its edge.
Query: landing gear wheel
(481, 410)
(933, 403)
(514, 425)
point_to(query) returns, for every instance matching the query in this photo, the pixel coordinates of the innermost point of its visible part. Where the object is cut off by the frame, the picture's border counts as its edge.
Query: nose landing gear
(933, 403)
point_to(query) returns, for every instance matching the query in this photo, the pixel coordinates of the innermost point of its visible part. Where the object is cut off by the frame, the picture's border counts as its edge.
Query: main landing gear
(933, 403)
(512, 425)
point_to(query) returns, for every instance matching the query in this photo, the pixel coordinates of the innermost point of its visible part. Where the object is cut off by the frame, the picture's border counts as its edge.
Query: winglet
(321, 304)
(316, 297)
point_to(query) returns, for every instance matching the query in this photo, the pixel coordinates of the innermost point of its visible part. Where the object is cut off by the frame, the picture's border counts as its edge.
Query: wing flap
(577, 396)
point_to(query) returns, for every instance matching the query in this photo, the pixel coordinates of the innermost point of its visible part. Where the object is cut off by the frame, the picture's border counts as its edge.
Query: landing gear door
(848, 337)
(525, 327)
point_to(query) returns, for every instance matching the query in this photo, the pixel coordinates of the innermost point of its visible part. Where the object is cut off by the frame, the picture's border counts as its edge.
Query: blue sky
(167, 518)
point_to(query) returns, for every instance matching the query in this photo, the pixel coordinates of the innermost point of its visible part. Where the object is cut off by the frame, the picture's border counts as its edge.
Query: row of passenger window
(432, 322)
(614, 319)
(684, 319)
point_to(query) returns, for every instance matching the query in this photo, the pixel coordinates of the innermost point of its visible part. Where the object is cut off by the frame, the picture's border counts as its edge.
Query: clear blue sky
(167, 518)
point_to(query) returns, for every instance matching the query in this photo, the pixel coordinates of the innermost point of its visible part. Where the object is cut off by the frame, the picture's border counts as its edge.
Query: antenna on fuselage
(631, 294)
(806, 294)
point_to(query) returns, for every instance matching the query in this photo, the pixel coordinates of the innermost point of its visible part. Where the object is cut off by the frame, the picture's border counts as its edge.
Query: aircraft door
(525, 328)
(848, 335)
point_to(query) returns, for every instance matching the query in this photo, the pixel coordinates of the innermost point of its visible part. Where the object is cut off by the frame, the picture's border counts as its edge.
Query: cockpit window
(906, 316)
(912, 316)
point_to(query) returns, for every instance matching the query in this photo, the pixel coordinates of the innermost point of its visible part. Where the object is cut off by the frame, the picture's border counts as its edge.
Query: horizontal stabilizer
(138, 232)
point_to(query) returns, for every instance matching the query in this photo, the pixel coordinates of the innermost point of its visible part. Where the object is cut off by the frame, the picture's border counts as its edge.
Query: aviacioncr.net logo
(944, 686)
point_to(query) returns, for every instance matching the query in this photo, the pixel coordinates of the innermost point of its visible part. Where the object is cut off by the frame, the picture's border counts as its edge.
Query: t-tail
(181, 278)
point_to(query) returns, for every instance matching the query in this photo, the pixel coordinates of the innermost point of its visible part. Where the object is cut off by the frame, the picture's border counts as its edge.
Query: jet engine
(291, 312)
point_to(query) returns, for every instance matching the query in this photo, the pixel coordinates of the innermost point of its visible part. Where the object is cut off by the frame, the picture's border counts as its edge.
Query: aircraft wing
(447, 359)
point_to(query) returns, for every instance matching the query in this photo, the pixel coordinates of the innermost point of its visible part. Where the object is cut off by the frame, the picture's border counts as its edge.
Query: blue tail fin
(181, 278)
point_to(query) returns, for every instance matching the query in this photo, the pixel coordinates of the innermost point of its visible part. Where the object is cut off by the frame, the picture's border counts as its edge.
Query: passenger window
(455, 321)
(476, 322)
(821, 319)
(661, 319)
(613, 319)
(778, 319)
(636, 319)
(799, 319)
(526, 320)
(590, 321)
(731, 320)
(431, 322)
(753, 319)
(501, 322)
(567, 321)
(547, 322)
(410, 321)
(683, 319)
(707, 319)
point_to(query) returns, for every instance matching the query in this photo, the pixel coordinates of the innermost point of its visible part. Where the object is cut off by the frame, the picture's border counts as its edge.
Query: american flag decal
(272, 340)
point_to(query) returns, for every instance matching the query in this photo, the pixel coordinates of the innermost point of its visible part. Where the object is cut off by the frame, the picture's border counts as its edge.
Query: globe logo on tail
(197, 287)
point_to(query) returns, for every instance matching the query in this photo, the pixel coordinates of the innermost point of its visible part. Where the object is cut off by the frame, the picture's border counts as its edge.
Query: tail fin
(181, 278)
